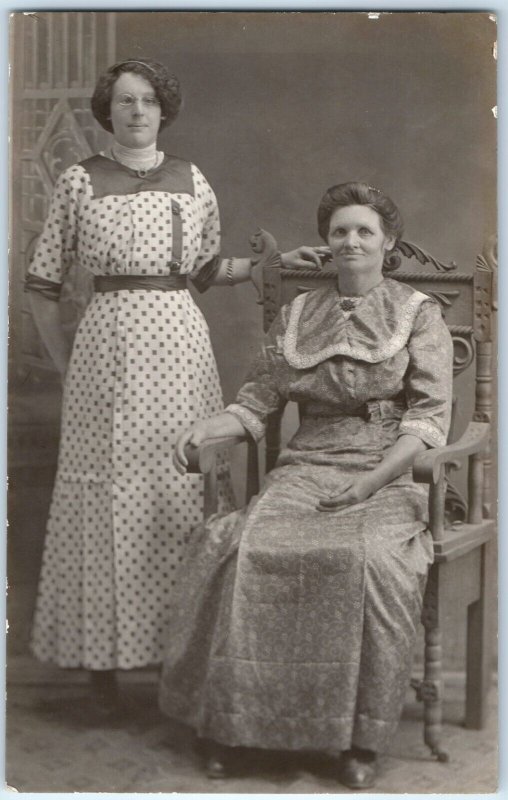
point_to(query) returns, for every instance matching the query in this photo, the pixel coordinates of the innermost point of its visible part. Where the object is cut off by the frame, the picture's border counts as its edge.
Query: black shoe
(216, 761)
(358, 769)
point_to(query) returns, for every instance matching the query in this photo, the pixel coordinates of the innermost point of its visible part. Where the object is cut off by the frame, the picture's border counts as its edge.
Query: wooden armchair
(463, 529)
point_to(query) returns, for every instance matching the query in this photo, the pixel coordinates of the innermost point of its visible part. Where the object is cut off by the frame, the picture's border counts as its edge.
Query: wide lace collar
(378, 327)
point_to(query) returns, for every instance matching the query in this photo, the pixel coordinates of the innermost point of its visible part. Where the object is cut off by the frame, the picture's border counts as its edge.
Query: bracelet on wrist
(229, 272)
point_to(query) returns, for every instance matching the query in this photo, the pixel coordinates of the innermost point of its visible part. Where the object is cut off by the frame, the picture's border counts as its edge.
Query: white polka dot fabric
(127, 234)
(142, 370)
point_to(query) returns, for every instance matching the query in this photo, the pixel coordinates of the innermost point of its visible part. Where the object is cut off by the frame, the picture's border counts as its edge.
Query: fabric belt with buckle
(147, 283)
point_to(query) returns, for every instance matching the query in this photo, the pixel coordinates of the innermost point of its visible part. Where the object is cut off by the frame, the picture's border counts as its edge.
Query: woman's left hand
(351, 493)
(306, 257)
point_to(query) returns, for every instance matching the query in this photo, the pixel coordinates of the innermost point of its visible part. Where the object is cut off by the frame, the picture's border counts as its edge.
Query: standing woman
(141, 368)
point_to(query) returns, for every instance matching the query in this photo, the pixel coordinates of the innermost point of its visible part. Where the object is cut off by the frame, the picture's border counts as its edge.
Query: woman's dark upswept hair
(165, 85)
(355, 193)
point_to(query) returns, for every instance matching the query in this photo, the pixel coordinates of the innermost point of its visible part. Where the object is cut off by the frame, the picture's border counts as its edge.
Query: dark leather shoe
(357, 771)
(215, 762)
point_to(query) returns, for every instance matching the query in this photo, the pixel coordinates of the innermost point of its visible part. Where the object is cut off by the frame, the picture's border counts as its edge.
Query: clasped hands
(350, 493)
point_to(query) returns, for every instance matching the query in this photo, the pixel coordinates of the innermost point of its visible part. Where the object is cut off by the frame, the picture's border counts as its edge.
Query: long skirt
(142, 370)
(294, 628)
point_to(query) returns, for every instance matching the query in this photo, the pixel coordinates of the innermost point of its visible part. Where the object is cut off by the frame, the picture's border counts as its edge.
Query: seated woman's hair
(165, 85)
(355, 193)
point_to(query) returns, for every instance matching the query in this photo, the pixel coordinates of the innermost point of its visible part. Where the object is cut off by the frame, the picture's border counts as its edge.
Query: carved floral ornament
(485, 290)
(60, 144)
(410, 250)
(463, 352)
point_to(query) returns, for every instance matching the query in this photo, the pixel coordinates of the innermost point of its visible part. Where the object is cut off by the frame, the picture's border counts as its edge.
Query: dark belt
(361, 411)
(371, 411)
(148, 283)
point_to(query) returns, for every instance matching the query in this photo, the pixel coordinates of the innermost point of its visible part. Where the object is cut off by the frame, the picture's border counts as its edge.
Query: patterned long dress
(141, 370)
(298, 626)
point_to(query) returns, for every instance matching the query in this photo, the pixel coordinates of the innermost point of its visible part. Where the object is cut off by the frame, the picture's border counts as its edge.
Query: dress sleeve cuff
(205, 277)
(49, 289)
(249, 420)
(424, 430)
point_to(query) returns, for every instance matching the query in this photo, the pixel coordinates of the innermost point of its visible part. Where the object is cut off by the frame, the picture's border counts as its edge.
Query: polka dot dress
(141, 371)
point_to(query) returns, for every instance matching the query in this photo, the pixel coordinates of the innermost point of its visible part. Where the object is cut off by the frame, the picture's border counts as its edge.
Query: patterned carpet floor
(57, 742)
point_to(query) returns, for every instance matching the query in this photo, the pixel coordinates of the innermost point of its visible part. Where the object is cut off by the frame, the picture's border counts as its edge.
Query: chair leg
(430, 690)
(432, 693)
(210, 493)
(478, 650)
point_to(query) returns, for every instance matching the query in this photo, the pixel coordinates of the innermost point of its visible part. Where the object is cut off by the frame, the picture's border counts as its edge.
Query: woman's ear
(390, 243)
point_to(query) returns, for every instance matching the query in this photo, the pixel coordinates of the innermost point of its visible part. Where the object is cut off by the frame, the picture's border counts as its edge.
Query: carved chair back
(466, 300)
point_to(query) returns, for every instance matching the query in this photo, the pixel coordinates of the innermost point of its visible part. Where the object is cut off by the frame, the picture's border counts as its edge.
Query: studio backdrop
(278, 106)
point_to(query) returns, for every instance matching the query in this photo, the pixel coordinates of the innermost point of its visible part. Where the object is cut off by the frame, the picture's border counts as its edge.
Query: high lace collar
(136, 158)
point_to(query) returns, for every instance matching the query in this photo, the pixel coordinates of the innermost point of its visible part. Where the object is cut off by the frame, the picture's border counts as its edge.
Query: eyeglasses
(128, 100)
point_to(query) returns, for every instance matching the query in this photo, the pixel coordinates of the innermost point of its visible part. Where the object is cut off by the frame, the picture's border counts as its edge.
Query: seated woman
(298, 615)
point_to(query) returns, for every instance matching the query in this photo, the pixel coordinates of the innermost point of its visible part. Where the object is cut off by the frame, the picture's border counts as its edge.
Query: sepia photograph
(252, 415)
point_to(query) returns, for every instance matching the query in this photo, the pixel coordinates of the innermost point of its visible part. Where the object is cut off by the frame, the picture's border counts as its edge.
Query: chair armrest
(266, 254)
(427, 465)
(201, 459)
